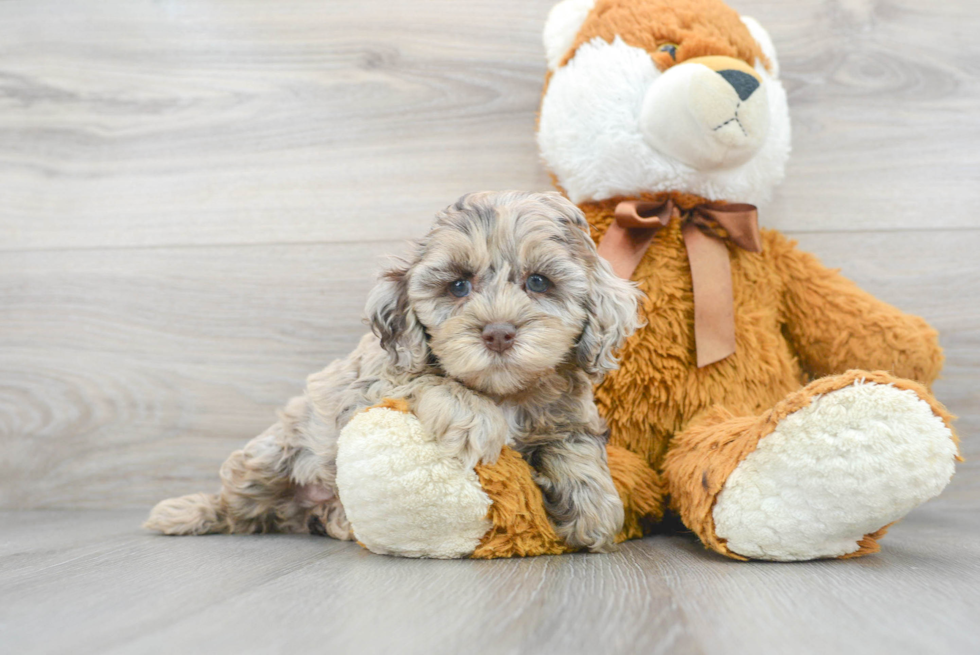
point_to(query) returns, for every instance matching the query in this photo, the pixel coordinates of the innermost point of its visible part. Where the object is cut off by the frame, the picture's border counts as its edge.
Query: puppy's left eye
(460, 288)
(538, 283)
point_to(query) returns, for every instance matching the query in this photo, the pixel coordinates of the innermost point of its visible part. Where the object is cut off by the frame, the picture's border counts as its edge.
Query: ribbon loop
(641, 214)
(705, 228)
(627, 239)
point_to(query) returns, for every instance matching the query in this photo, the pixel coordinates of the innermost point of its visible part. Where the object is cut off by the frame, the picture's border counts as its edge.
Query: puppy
(494, 330)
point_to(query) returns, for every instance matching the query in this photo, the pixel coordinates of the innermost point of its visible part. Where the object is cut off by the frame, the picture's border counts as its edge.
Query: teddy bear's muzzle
(708, 112)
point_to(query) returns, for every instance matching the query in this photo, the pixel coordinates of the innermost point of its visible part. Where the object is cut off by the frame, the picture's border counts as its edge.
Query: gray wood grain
(204, 122)
(90, 582)
(154, 364)
(142, 123)
(882, 96)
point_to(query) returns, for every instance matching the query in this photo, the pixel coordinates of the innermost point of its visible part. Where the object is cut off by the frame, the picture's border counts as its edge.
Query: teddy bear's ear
(562, 27)
(762, 37)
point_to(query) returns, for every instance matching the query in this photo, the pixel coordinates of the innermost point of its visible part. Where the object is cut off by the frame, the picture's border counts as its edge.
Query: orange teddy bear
(788, 411)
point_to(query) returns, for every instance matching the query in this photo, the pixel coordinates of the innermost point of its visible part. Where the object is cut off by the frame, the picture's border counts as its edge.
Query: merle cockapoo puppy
(494, 329)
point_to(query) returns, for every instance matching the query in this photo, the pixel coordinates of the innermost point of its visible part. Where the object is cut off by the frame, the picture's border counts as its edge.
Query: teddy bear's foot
(401, 494)
(847, 465)
(824, 472)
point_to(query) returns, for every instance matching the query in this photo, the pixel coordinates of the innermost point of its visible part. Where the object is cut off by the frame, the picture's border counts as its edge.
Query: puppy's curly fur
(430, 346)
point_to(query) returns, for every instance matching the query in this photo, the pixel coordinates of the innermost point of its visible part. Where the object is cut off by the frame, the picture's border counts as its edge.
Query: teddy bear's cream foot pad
(402, 495)
(851, 462)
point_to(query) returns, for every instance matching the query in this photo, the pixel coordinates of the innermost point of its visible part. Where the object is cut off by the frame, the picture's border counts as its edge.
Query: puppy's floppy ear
(393, 321)
(611, 304)
(612, 308)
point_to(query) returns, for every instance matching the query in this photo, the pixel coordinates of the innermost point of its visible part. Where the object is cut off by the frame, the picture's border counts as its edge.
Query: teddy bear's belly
(658, 388)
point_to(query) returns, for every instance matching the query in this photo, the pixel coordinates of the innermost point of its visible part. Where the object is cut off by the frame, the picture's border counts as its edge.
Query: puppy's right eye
(538, 283)
(460, 288)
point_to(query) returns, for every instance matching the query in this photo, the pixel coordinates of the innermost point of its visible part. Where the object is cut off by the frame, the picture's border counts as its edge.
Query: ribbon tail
(714, 300)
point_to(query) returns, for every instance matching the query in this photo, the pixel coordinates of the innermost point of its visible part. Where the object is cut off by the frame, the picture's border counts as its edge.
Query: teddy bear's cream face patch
(710, 113)
(613, 124)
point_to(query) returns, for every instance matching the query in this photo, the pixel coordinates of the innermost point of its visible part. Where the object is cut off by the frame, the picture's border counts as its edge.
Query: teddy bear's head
(644, 96)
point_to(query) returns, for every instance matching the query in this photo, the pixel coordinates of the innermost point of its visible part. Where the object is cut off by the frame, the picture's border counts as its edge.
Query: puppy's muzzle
(499, 337)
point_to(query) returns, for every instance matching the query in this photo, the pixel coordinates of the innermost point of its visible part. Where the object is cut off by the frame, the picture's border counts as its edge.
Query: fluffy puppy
(494, 329)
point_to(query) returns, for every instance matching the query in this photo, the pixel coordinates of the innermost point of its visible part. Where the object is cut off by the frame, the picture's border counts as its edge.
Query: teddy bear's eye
(670, 49)
(460, 288)
(538, 283)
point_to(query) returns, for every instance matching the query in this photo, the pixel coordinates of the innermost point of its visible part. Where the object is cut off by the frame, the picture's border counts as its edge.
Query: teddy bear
(779, 410)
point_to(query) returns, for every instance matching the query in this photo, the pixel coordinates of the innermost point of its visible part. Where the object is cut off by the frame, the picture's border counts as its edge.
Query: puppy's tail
(194, 514)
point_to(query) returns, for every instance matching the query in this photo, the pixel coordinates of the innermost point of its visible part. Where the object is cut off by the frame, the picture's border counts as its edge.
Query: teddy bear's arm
(835, 326)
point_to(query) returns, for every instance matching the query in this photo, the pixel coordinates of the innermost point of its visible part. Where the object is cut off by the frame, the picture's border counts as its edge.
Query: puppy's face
(504, 288)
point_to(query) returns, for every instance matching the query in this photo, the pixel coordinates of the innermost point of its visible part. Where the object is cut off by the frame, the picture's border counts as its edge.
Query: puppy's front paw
(586, 515)
(467, 426)
(595, 530)
(479, 442)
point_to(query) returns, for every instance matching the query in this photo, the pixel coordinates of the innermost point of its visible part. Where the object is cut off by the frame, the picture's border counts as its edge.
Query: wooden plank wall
(195, 197)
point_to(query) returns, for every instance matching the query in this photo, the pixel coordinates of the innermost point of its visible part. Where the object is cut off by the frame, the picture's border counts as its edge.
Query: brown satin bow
(705, 229)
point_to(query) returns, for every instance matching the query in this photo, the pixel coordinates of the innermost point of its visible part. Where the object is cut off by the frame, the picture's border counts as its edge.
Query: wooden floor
(91, 582)
(195, 196)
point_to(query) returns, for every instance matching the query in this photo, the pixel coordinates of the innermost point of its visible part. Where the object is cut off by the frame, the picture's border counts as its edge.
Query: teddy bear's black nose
(743, 83)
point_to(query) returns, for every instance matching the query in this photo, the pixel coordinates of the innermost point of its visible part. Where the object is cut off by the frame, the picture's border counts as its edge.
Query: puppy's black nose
(499, 337)
(743, 83)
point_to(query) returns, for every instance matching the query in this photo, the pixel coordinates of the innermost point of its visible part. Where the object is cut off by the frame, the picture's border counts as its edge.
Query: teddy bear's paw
(850, 463)
(400, 492)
